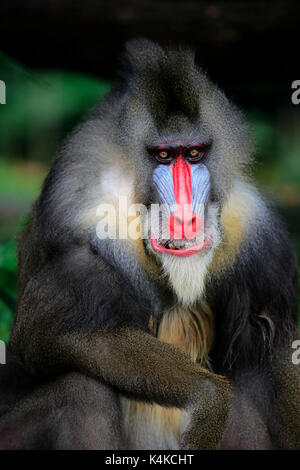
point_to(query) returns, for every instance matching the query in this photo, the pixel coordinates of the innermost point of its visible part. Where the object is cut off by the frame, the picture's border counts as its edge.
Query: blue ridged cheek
(163, 182)
(200, 186)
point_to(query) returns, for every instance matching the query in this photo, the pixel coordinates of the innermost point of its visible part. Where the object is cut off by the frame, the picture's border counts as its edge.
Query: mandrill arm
(127, 358)
(142, 367)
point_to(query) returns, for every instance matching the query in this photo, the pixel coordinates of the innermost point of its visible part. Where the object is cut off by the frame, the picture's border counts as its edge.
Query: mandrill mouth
(181, 247)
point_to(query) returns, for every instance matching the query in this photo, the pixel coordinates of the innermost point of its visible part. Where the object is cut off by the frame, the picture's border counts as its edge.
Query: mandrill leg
(285, 421)
(73, 412)
(246, 427)
(265, 411)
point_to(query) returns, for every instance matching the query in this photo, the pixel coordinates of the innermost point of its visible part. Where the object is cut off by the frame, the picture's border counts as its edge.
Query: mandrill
(181, 337)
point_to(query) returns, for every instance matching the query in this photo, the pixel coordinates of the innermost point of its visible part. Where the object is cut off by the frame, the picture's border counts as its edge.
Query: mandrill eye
(163, 154)
(194, 155)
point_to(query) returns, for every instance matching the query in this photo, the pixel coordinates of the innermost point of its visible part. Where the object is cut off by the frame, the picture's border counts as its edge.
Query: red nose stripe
(181, 174)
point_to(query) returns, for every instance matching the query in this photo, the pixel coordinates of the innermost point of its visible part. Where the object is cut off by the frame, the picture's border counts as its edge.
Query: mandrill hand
(209, 416)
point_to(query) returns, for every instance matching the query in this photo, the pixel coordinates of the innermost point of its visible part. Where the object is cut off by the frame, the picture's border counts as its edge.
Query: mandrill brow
(178, 339)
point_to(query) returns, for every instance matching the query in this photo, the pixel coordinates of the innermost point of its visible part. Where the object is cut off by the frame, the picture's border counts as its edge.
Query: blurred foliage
(8, 287)
(43, 107)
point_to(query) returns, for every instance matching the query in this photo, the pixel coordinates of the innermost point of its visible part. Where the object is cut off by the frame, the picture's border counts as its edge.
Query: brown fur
(192, 331)
(235, 218)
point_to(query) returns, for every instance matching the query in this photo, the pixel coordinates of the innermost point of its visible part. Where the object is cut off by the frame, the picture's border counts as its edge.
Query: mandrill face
(185, 232)
(182, 183)
(191, 151)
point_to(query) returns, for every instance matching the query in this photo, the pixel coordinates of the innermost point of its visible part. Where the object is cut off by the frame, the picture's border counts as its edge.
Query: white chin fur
(187, 275)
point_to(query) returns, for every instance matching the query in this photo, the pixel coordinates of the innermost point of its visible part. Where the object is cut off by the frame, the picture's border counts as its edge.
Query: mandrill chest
(150, 426)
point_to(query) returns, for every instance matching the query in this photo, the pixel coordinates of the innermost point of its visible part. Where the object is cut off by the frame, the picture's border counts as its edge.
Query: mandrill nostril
(192, 221)
(184, 225)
